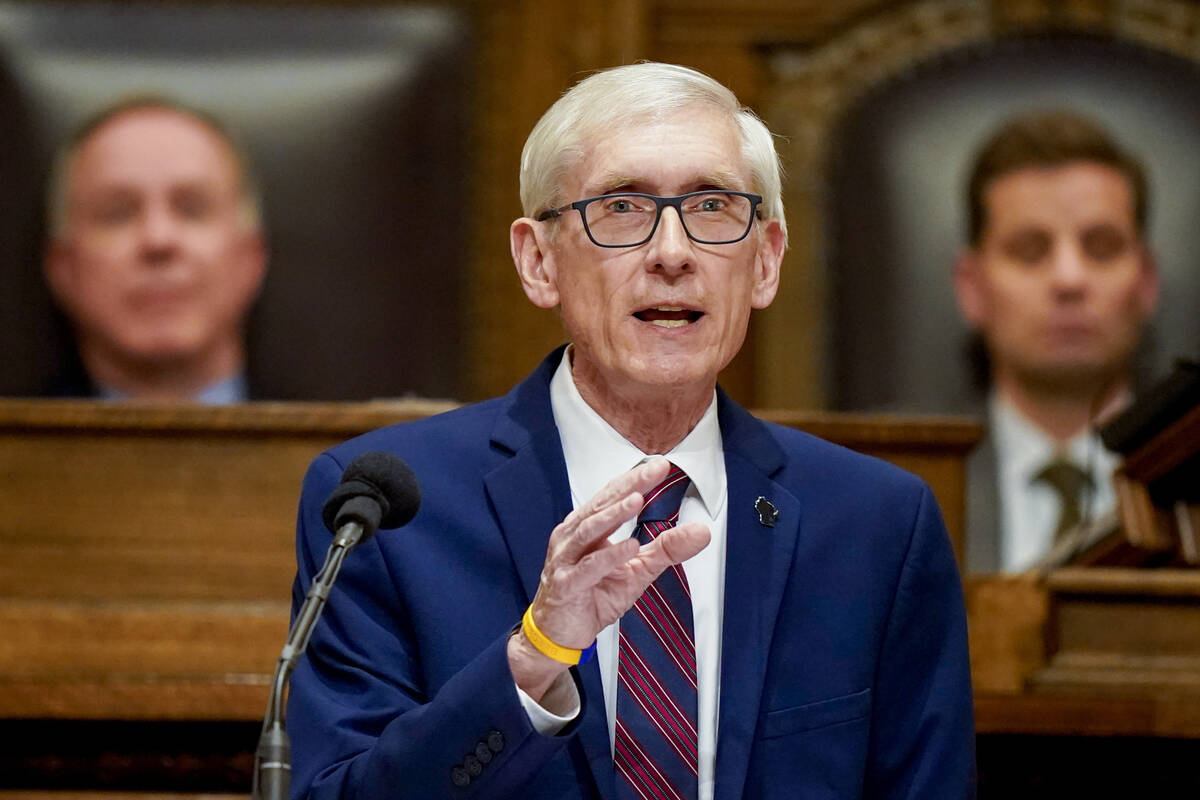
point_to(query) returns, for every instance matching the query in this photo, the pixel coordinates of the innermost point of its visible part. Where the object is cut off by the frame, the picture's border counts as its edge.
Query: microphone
(377, 490)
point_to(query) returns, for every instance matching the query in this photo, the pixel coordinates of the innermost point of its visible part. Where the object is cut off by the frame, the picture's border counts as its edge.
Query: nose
(1069, 269)
(670, 248)
(159, 233)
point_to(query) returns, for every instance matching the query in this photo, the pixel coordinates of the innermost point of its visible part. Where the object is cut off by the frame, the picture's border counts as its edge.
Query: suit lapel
(531, 496)
(531, 493)
(757, 565)
(529, 490)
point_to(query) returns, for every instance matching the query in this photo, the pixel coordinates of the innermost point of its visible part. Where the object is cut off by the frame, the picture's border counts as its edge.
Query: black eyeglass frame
(675, 202)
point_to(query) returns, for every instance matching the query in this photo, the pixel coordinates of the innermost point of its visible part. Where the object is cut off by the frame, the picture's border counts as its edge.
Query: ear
(58, 268)
(771, 248)
(255, 256)
(968, 288)
(534, 261)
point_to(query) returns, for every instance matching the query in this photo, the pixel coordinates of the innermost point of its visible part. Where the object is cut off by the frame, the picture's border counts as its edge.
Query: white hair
(616, 97)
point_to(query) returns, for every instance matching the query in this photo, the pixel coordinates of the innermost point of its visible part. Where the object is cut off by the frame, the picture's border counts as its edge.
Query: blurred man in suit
(543, 628)
(1058, 282)
(154, 254)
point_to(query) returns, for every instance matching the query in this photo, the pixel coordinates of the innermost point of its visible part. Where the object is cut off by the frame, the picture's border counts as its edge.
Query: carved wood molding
(811, 88)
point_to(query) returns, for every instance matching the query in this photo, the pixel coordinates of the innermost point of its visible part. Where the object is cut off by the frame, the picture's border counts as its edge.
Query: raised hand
(587, 582)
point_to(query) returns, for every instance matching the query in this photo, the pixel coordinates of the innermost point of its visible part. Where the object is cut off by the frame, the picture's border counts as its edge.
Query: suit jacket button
(459, 777)
(495, 741)
(483, 753)
(472, 765)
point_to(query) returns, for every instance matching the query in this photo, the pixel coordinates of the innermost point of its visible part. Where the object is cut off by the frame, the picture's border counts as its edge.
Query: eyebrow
(615, 181)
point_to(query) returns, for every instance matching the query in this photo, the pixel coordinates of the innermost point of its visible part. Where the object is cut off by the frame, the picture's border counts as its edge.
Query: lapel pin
(767, 512)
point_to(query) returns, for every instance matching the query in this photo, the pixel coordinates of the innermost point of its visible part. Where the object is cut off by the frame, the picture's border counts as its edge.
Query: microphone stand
(273, 757)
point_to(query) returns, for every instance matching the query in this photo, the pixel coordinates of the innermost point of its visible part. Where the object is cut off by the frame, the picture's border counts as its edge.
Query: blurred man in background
(1059, 284)
(155, 254)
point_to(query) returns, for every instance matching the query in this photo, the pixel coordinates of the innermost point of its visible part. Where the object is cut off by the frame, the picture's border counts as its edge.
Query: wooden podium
(1107, 647)
(146, 563)
(146, 560)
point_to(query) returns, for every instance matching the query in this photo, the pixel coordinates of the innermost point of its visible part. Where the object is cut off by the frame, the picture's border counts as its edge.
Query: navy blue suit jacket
(844, 667)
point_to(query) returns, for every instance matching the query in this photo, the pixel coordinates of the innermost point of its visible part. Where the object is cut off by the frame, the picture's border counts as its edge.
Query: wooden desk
(146, 562)
(1086, 651)
(146, 552)
(1082, 688)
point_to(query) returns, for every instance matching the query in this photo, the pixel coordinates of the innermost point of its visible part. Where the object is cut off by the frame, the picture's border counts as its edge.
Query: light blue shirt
(230, 390)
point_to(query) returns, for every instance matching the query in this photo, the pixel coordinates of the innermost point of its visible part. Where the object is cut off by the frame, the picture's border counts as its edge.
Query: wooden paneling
(112, 503)
(1086, 651)
(1006, 619)
(1129, 631)
(146, 551)
(530, 53)
(146, 562)
(932, 447)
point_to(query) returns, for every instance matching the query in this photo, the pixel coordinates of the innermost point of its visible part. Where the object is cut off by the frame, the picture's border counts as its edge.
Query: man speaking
(620, 584)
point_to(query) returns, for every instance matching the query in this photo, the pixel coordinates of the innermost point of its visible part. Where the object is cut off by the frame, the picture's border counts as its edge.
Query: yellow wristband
(547, 647)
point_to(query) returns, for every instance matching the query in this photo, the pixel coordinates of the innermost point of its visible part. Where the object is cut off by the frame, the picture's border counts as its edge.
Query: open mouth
(668, 316)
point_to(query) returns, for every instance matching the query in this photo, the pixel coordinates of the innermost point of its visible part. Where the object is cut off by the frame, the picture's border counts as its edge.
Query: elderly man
(543, 628)
(154, 255)
(1059, 284)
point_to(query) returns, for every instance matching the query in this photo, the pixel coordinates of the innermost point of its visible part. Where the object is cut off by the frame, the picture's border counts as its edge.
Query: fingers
(645, 564)
(604, 561)
(575, 538)
(594, 520)
(671, 547)
(587, 581)
(640, 479)
(678, 544)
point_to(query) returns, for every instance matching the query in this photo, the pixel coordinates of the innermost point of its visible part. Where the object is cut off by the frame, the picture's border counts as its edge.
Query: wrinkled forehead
(668, 151)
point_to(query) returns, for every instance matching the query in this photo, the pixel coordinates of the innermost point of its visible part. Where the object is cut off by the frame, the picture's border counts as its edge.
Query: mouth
(148, 298)
(669, 316)
(1072, 328)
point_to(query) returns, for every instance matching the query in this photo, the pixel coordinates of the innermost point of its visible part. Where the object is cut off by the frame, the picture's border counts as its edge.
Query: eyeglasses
(630, 219)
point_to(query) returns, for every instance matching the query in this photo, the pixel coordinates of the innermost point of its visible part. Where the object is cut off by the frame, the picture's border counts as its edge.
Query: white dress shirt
(1029, 508)
(595, 453)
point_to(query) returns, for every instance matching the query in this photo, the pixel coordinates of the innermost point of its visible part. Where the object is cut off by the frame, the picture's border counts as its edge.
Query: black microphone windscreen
(382, 477)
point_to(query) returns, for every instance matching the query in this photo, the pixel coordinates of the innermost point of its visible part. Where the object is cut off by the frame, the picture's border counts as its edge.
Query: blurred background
(386, 136)
(387, 139)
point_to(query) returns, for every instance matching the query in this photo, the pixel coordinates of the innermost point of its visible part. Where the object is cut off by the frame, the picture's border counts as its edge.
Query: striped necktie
(655, 747)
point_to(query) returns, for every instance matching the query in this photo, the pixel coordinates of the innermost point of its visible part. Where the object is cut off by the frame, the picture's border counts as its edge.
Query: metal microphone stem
(272, 758)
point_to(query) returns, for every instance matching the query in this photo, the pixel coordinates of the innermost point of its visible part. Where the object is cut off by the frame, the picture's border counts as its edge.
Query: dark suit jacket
(982, 551)
(844, 652)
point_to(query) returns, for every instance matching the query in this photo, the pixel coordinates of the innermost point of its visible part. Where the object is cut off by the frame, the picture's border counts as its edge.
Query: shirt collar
(595, 453)
(1026, 449)
(230, 390)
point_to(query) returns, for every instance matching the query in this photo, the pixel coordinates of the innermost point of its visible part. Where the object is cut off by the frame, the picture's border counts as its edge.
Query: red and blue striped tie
(655, 750)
